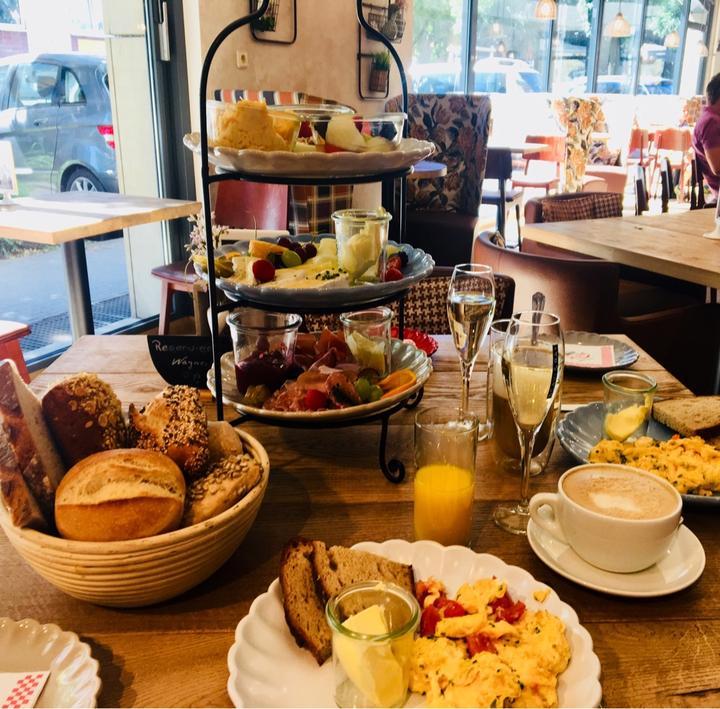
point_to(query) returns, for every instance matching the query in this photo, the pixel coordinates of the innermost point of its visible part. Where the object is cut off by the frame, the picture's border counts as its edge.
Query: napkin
(590, 355)
(21, 689)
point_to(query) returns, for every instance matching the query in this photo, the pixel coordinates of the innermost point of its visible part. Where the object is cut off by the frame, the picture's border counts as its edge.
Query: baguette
(30, 466)
(691, 416)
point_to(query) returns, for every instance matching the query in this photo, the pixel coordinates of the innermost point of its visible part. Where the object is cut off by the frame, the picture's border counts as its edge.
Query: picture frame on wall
(279, 23)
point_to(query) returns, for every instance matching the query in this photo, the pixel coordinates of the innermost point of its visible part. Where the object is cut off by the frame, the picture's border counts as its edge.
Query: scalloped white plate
(27, 646)
(267, 668)
(282, 163)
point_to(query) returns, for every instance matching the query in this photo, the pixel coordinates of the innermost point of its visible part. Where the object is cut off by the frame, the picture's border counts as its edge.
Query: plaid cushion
(568, 210)
(607, 204)
(311, 207)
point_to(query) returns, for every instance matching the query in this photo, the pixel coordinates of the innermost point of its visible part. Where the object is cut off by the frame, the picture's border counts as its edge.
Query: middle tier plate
(419, 266)
(404, 356)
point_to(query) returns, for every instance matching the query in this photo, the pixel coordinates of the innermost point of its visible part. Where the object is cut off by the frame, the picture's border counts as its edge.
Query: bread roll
(85, 417)
(226, 483)
(222, 441)
(121, 494)
(30, 466)
(173, 423)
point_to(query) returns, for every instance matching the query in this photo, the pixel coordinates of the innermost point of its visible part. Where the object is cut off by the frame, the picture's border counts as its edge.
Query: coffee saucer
(681, 567)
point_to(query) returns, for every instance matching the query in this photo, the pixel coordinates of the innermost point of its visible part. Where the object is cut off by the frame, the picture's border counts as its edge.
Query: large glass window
(660, 46)
(618, 55)
(9, 12)
(570, 47)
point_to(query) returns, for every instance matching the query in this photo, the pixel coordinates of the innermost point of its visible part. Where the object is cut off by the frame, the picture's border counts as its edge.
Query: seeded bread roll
(226, 483)
(173, 423)
(30, 466)
(85, 417)
(118, 495)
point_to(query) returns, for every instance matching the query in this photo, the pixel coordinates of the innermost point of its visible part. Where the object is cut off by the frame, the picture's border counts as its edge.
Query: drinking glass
(445, 448)
(367, 334)
(502, 431)
(628, 403)
(532, 366)
(471, 306)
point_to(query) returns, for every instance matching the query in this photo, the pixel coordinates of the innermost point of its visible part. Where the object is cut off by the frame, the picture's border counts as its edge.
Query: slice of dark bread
(304, 609)
(337, 567)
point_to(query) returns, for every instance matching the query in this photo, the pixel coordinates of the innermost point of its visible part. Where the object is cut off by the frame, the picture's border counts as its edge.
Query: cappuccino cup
(615, 517)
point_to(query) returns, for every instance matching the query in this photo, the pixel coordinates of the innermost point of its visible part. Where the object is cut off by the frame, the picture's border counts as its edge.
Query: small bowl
(139, 572)
(286, 125)
(314, 118)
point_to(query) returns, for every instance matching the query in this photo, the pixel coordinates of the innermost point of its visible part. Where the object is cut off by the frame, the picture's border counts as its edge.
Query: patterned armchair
(443, 211)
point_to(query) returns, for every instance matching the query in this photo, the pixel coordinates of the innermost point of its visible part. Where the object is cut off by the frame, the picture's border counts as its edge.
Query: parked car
(505, 76)
(435, 78)
(55, 111)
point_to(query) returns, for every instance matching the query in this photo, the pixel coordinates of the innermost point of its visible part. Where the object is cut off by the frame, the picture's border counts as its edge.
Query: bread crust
(120, 494)
(84, 416)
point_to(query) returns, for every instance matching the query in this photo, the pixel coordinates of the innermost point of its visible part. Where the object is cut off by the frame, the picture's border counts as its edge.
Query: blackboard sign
(182, 359)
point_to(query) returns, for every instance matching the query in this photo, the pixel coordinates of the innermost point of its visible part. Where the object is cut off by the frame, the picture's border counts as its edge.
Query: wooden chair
(10, 335)
(697, 187)
(667, 191)
(499, 168)
(639, 149)
(240, 205)
(542, 161)
(675, 144)
(641, 196)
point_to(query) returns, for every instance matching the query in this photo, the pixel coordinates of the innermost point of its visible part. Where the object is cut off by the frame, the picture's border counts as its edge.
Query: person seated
(706, 136)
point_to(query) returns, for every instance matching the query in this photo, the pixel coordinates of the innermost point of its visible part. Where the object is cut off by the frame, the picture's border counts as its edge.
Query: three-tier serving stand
(393, 198)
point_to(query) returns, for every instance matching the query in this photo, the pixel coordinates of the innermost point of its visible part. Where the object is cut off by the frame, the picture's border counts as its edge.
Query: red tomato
(428, 621)
(393, 274)
(450, 609)
(505, 609)
(480, 643)
(315, 399)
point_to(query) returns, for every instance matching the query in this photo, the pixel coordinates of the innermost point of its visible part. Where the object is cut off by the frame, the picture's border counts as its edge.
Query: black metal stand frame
(394, 201)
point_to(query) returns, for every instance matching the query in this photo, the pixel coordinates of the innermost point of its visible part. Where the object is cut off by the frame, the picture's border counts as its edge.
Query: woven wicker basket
(140, 572)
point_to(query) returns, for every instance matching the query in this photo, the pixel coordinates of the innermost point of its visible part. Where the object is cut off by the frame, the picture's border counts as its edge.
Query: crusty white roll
(223, 441)
(121, 494)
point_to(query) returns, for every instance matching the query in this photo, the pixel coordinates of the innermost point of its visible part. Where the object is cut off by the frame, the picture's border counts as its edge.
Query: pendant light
(619, 27)
(672, 40)
(702, 49)
(546, 10)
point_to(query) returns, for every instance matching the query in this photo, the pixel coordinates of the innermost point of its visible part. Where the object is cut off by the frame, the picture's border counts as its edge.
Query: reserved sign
(590, 355)
(182, 359)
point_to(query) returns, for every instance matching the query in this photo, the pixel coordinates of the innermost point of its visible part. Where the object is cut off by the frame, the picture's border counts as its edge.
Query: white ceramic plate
(681, 567)
(419, 266)
(624, 354)
(404, 356)
(581, 430)
(27, 646)
(281, 163)
(268, 669)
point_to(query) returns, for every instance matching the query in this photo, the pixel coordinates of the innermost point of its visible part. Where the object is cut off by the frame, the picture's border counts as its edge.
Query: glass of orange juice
(445, 448)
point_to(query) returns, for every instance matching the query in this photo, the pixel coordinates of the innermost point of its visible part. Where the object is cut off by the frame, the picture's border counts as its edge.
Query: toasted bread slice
(337, 567)
(304, 609)
(691, 416)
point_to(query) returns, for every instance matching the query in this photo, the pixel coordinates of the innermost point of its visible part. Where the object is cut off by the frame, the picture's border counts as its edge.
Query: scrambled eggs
(484, 650)
(690, 464)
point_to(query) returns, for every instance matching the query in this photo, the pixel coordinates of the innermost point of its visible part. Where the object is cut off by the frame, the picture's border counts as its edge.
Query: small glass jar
(373, 626)
(628, 403)
(367, 334)
(361, 237)
(263, 349)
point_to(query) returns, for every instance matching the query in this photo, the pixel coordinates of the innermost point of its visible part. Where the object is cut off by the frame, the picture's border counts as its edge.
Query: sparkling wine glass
(532, 367)
(471, 306)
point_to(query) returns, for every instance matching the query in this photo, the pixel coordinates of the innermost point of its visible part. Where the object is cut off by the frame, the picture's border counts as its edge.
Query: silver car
(55, 111)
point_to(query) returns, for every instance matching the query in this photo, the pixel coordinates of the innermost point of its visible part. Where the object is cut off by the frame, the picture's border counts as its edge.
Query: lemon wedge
(371, 667)
(622, 424)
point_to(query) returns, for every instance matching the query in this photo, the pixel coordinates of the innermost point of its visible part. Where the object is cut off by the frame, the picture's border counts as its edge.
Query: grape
(285, 242)
(375, 392)
(363, 389)
(290, 259)
(310, 250)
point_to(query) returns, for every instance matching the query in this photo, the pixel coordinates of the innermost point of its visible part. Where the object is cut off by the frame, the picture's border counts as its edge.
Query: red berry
(393, 274)
(310, 250)
(263, 270)
(315, 399)
(395, 262)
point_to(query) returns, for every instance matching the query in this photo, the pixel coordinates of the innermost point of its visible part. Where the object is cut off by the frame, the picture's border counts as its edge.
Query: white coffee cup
(621, 519)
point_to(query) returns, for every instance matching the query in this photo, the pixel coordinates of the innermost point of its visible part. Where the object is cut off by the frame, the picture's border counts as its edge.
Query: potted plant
(379, 71)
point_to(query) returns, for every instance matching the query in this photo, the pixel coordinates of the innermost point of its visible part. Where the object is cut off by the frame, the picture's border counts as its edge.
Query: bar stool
(178, 277)
(10, 335)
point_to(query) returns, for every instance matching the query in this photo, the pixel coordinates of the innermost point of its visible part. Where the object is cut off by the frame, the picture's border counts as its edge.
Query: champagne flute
(471, 306)
(532, 367)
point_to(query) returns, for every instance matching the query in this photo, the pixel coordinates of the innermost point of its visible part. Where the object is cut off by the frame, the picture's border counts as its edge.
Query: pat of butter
(371, 667)
(621, 425)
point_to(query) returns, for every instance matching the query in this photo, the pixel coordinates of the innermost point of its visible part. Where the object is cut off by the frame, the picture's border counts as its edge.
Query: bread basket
(140, 572)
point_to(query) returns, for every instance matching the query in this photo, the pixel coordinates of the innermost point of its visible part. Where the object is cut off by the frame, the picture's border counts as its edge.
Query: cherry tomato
(315, 399)
(395, 262)
(450, 609)
(263, 270)
(393, 274)
(480, 643)
(428, 621)
(506, 609)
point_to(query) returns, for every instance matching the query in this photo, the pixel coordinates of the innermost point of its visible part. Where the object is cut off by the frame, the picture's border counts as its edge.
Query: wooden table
(326, 484)
(67, 218)
(669, 244)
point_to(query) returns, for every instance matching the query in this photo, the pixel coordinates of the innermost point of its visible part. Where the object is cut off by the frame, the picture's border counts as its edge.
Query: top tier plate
(277, 163)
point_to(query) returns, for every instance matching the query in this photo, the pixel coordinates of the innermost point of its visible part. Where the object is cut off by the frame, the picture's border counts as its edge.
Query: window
(33, 85)
(9, 12)
(570, 47)
(71, 90)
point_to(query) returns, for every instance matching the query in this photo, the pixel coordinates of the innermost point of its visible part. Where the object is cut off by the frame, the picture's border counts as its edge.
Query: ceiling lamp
(702, 49)
(546, 10)
(672, 40)
(619, 27)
